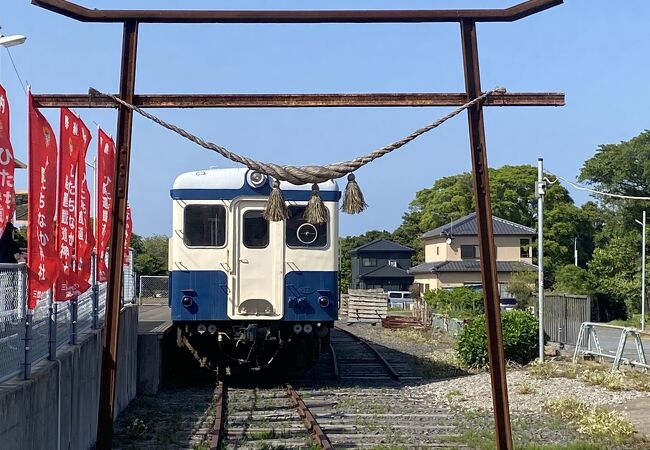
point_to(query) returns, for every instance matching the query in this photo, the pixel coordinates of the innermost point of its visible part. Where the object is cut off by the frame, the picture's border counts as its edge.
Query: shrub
(459, 302)
(519, 339)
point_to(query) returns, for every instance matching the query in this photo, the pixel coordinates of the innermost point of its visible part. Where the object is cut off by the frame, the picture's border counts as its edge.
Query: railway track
(335, 413)
(270, 417)
(353, 398)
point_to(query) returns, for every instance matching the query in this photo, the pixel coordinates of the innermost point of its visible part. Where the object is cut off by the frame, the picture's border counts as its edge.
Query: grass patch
(525, 389)
(614, 381)
(591, 421)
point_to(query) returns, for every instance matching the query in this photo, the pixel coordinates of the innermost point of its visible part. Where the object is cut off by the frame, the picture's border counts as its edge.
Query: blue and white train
(245, 291)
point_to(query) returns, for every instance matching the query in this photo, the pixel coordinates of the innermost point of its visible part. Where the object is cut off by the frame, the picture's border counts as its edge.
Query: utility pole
(575, 250)
(539, 192)
(642, 270)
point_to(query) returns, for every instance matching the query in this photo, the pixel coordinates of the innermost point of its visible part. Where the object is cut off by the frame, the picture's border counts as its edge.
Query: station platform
(154, 341)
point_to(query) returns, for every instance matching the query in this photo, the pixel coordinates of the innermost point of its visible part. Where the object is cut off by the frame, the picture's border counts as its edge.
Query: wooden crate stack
(367, 305)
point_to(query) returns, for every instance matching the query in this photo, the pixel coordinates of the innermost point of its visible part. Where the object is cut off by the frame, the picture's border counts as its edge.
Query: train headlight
(201, 328)
(212, 328)
(297, 328)
(255, 179)
(307, 328)
(187, 301)
(323, 301)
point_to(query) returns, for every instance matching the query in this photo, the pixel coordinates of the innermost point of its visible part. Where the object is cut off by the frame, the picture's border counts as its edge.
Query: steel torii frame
(467, 18)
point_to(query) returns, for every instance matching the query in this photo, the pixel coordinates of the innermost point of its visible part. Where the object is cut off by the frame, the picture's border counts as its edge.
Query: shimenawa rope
(353, 202)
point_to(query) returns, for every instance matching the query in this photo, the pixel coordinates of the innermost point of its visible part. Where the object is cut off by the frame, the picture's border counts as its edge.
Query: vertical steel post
(118, 215)
(52, 310)
(540, 190)
(480, 181)
(28, 315)
(27, 373)
(73, 306)
(643, 274)
(95, 289)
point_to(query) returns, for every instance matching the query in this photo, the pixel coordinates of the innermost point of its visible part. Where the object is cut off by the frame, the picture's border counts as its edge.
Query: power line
(11, 58)
(607, 194)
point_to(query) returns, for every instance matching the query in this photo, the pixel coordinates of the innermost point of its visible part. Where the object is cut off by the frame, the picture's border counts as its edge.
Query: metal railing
(29, 336)
(153, 290)
(588, 344)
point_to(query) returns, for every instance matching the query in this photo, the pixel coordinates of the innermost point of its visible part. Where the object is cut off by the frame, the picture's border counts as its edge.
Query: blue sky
(594, 50)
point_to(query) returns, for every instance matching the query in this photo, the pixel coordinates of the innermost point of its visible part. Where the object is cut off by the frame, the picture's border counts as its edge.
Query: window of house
(300, 233)
(256, 229)
(437, 249)
(524, 248)
(392, 262)
(204, 225)
(368, 262)
(469, 252)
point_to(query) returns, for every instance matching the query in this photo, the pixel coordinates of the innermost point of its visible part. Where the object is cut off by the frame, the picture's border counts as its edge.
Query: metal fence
(153, 290)
(29, 336)
(563, 315)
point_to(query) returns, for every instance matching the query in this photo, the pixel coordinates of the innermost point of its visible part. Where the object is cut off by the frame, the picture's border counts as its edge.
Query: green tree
(522, 284)
(622, 168)
(571, 279)
(151, 254)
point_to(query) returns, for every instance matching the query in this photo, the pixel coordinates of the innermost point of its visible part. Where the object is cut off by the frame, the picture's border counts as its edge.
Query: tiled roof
(381, 245)
(468, 266)
(466, 226)
(387, 272)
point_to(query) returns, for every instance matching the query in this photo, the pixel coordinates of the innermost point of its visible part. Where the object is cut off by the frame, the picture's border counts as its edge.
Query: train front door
(259, 260)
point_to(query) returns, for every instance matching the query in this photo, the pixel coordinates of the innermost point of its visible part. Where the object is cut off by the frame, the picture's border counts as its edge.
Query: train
(245, 292)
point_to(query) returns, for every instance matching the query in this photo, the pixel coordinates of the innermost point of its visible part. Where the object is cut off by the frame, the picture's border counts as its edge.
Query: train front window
(256, 229)
(300, 233)
(204, 226)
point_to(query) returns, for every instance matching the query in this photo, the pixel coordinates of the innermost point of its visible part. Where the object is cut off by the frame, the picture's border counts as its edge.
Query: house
(381, 264)
(452, 254)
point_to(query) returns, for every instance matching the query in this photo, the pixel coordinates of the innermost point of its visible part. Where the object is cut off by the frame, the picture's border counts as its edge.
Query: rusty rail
(216, 433)
(382, 360)
(308, 418)
(335, 364)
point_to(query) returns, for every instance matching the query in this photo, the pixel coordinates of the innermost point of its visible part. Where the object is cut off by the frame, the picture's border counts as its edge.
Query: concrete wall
(29, 410)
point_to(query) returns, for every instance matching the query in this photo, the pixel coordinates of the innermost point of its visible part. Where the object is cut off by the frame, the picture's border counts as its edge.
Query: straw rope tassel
(276, 207)
(316, 212)
(353, 202)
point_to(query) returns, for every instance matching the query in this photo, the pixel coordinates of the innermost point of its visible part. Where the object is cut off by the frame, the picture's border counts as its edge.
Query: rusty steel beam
(481, 185)
(298, 100)
(83, 14)
(116, 244)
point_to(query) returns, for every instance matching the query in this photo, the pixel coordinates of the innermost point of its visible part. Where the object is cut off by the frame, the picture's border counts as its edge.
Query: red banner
(75, 137)
(43, 261)
(127, 235)
(105, 179)
(85, 234)
(7, 165)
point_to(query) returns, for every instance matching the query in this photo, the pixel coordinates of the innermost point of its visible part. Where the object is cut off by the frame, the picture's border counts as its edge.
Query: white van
(399, 299)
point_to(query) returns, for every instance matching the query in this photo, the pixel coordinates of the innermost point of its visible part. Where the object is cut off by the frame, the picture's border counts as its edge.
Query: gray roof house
(381, 264)
(452, 253)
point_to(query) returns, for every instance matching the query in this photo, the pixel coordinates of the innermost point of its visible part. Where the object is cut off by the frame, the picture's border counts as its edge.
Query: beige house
(452, 254)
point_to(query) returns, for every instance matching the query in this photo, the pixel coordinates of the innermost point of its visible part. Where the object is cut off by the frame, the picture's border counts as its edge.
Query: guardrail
(29, 336)
(588, 344)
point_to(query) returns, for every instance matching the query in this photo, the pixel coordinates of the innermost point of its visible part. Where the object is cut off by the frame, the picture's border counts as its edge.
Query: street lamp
(10, 41)
(13, 40)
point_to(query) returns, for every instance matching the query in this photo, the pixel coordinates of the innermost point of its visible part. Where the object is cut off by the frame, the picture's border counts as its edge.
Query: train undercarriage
(254, 346)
